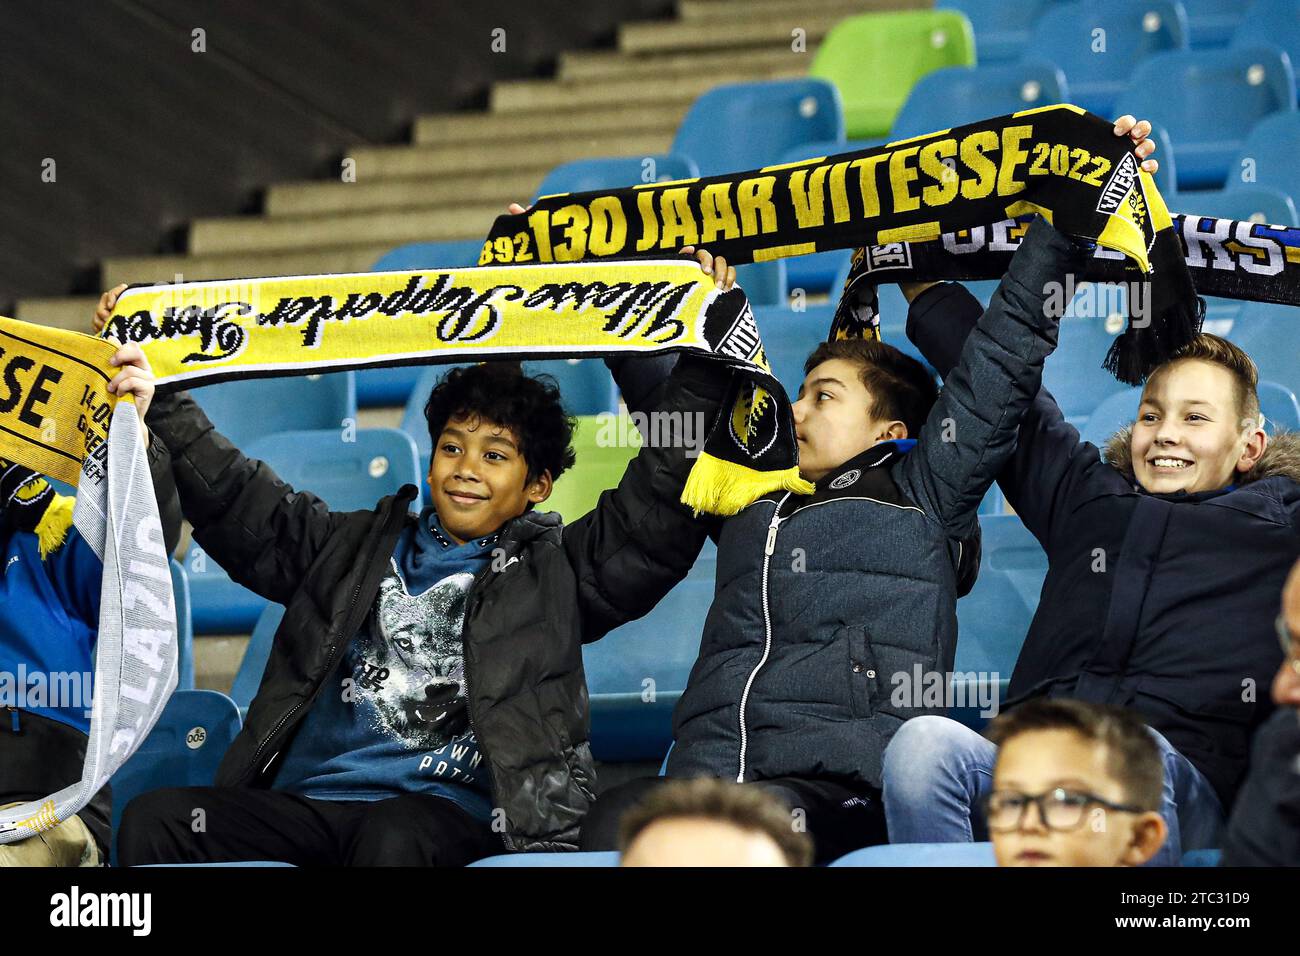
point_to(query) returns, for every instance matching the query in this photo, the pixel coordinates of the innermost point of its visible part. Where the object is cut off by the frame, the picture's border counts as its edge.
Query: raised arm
(263, 532)
(1050, 459)
(640, 540)
(971, 431)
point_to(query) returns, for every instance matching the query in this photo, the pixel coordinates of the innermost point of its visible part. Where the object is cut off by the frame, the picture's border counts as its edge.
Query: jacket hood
(1281, 457)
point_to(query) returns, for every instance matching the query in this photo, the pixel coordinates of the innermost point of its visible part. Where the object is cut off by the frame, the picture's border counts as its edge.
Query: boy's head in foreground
(706, 822)
(855, 394)
(1199, 426)
(1075, 784)
(500, 440)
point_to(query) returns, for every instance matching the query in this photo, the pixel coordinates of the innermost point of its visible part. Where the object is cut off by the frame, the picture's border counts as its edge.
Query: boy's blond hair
(1218, 351)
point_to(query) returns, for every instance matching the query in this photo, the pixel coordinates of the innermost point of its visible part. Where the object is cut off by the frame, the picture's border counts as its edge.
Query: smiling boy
(1165, 555)
(424, 700)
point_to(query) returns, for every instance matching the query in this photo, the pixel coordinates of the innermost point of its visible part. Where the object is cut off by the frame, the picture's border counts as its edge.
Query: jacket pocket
(862, 673)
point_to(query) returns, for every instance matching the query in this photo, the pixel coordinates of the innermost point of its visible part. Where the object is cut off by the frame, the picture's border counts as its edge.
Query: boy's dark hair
(1132, 755)
(1231, 358)
(747, 808)
(901, 388)
(500, 393)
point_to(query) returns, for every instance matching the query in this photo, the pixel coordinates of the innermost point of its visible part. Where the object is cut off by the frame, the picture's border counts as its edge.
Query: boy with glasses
(1075, 784)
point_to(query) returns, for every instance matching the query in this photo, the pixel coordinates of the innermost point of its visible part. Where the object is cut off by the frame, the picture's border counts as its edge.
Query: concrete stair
(461, 169)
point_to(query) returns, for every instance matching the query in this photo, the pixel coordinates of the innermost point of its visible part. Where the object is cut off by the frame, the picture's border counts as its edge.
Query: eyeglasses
(1290, 649)
(1059, 809)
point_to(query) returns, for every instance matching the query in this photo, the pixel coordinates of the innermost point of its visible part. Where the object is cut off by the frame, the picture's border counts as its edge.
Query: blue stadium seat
(1267, 157)
(1270, 334)
(604, 858)
(392, 386)
(349, 476)
(636, 673)
(1278, 404)
(256, 654)
(1270, 23)
(249, 408)
(183, 749)
(1001, 28)
(184, 628)
(1189, 93)
(1074, 373)
(748, 125)
(1133, 30)
(1250, 202)
(1210, 23)
(994, 618)
(765, 283)
(921, 854)
(956, 95)
(1202, 858)
(615, 172)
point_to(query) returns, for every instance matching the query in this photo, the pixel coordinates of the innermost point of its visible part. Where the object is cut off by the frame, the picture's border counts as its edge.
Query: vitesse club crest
(730, 329)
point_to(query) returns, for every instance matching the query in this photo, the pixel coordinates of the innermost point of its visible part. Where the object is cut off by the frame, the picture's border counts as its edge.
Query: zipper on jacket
(472, 605)
(768, 550)
(329, 663)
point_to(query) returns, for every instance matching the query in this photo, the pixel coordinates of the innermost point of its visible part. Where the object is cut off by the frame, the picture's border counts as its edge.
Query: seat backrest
(1096, 315)
(912, 42)
(956, 95)
(1267, 156)
(789, 337)
(1210, 23)
(1098, 43)
(603, 446)
(249, 676)
(246, 409)
(921, 854)
(1270, 23)
(350, 471)
(184, 748)
(1251, 203)
(660, 647)
(994, 618)
(184, 627)
(1188, 92)
(1270, 335)
(749, 125)
(615, 172)
(1001, 29)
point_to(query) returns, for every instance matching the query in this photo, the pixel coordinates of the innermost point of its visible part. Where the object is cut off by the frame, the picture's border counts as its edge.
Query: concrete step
(358, 258)
(511, 130)
(632, 93)
(719, 12)
(383, 162)
(215, 237)
(605, 65)
(324, 198)
(662, 37)
(64, 312)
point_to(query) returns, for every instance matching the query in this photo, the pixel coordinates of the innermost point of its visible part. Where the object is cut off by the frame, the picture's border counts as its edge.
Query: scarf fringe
(724, 488)
(52, 529)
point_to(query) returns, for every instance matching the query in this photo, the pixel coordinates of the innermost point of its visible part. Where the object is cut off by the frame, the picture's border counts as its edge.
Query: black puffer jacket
(525, 623)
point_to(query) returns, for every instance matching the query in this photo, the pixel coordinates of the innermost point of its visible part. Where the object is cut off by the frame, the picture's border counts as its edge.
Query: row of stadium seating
(185, 748)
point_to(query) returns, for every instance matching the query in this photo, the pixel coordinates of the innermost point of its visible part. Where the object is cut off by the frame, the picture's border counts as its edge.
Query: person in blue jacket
(49, 621)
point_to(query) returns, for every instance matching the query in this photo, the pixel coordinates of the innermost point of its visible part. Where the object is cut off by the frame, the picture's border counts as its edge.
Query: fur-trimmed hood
(1281, 456)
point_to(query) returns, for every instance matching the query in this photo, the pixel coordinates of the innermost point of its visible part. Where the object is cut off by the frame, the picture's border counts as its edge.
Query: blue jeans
(937, 772)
